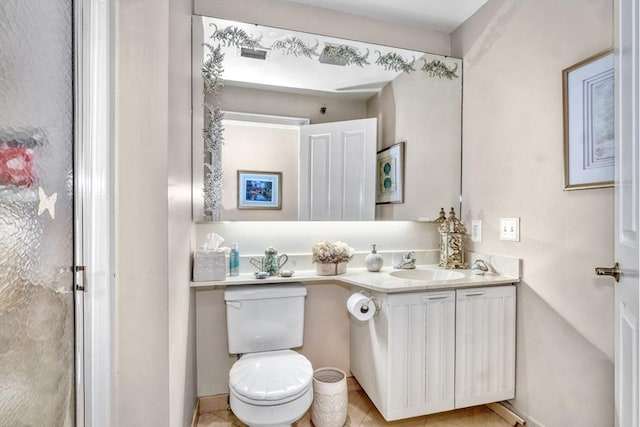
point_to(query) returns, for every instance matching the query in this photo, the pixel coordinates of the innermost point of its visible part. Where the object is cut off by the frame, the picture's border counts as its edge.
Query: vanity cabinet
(435, 351)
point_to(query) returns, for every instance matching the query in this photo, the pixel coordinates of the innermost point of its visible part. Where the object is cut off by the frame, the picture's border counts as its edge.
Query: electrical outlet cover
(510, 229)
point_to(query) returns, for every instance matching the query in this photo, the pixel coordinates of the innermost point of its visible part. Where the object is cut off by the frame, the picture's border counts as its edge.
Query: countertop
(381, 281)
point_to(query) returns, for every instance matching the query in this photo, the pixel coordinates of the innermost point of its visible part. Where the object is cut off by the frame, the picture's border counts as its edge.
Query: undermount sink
(427, 274)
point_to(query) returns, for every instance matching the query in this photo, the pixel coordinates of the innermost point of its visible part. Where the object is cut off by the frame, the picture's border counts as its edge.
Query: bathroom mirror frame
(433, 172)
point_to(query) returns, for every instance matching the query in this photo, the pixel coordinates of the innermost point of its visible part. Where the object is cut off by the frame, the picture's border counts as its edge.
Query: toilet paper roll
(361, 307)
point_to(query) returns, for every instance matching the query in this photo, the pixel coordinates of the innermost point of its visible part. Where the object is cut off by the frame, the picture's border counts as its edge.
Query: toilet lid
(271, 377)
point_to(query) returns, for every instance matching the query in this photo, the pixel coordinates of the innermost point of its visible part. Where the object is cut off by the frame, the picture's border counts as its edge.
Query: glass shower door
(36, 213)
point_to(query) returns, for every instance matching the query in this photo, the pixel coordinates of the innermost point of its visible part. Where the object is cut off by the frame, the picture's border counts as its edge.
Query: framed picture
(259, 190)
(390, 174)
(589, 123)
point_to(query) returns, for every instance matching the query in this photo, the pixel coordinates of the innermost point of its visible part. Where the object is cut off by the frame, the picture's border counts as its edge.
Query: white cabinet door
(337, 171)
(421, 354)
(485, 345)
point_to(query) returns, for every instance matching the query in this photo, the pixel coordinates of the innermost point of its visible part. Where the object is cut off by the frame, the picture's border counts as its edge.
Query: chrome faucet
(407, 262)
(479, 267)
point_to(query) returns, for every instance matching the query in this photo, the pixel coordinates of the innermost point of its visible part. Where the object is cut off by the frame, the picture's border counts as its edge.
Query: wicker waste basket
(330, 401)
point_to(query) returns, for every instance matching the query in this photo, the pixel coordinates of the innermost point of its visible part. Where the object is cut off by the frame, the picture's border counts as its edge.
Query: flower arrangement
(331, 253)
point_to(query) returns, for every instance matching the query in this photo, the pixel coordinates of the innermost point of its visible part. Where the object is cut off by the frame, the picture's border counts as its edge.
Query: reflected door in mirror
(337, 176)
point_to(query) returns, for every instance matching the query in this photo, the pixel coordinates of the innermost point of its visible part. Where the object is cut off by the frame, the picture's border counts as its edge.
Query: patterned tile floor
(362, 413)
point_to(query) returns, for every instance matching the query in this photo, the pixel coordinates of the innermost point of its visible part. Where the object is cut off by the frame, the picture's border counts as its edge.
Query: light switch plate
(510, 229)
(476, 230)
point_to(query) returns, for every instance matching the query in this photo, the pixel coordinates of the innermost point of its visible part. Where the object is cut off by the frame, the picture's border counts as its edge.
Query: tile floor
(362, 413)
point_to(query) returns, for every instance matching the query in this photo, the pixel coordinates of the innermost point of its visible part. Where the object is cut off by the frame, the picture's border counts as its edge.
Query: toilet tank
(264, 317)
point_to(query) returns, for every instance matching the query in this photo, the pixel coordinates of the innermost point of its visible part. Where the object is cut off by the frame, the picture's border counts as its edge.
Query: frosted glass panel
(36, 239)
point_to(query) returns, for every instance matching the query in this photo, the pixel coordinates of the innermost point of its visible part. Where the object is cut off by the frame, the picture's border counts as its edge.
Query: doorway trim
(93, 210)
(266, 119)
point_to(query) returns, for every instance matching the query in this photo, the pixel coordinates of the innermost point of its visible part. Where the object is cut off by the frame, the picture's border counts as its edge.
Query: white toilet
(270, 385)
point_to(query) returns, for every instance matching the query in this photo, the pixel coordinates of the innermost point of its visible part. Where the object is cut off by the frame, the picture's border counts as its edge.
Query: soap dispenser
(374, 260)
(234, 260)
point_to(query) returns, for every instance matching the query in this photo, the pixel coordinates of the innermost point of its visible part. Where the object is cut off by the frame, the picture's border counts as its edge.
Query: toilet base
(284, 414)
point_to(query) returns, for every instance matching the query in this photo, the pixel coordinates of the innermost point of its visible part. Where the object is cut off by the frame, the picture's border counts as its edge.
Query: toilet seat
(270, 378)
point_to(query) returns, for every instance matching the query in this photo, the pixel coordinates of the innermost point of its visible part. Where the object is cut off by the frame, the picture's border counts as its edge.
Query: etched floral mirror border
(213, 69)
(212, 130)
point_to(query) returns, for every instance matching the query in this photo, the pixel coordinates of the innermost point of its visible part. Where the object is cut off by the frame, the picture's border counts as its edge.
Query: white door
(337, 171)
(626, 216)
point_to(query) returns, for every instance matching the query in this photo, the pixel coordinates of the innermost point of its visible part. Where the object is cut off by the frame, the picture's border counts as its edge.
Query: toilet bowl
(271, 388)
(270, 385)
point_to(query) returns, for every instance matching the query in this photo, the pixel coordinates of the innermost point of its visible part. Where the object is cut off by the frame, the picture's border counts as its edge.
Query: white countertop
(381, 281)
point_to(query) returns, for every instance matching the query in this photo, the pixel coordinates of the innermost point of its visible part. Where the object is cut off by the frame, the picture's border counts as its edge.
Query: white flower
(327, 252)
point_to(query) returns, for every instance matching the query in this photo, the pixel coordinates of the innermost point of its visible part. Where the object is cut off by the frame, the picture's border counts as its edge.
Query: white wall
(426, 113)
(514, 52)
(141, 360)
(154, 314)
(260, 148)
(182, 339)
(257, 101)
(298, 237)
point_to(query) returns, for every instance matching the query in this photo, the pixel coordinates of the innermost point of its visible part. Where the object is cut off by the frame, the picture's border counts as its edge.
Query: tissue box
(209, 266)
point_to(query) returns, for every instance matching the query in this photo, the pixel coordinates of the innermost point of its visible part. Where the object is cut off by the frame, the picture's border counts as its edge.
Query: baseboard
(531, 422)
(213, 403)
(507, 414)
(196, 414)
(352, 384)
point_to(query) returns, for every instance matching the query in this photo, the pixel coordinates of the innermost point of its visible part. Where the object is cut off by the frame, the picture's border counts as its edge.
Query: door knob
(614, 272)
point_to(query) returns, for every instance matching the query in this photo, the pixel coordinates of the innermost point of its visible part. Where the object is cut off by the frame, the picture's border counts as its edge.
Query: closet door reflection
(36, 219)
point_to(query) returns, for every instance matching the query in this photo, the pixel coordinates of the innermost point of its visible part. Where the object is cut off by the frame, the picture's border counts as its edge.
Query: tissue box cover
(208, 266)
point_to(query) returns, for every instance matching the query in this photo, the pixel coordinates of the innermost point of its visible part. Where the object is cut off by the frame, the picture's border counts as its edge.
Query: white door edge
(94, 211)
(627, 214)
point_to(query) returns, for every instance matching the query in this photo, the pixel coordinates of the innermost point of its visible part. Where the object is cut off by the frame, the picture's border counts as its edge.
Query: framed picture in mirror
(588, 89)
(259, 190)
(390, 174)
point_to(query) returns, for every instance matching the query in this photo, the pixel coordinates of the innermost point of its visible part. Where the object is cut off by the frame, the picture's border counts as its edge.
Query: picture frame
(390, 174)
(588, 104)
(259, 190)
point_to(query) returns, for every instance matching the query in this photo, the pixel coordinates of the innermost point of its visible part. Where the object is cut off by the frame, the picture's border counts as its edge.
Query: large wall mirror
(321, 128)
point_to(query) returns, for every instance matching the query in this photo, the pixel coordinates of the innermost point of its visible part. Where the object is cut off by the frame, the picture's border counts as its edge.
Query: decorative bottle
(452, 233)
(374, 260)
(234, 260)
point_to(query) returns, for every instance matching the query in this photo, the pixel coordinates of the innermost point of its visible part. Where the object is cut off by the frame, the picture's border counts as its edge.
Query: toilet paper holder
(376, 303)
